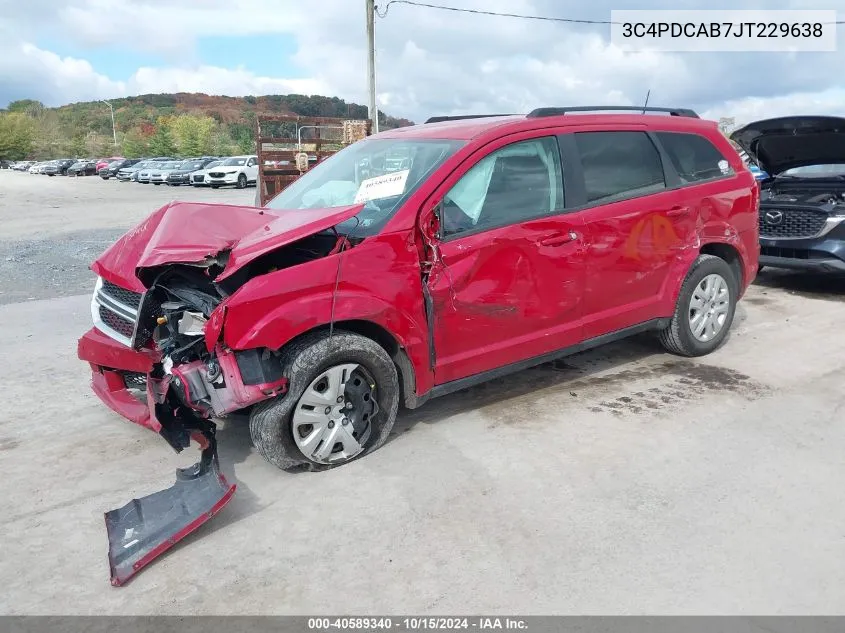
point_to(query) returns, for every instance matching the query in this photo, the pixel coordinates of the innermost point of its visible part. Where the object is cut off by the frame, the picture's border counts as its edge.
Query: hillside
(171, 124)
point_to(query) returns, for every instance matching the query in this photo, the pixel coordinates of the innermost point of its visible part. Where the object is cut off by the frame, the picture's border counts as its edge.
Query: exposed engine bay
(791, 193)
(172, 318)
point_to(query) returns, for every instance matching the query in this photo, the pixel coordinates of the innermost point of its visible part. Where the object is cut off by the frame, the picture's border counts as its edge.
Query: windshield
(214, 163)
(816, 171)
(230, 162)
(191, 165)
(381, 173)
(172, 165)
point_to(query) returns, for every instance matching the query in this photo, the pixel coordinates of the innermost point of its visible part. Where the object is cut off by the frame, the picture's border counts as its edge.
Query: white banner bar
(724, 31)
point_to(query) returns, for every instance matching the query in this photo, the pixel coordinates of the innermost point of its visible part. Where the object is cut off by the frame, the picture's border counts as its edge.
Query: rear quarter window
(694, 157)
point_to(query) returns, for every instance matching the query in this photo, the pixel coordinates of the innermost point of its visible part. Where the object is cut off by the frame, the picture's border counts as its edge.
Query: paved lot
(625, 481)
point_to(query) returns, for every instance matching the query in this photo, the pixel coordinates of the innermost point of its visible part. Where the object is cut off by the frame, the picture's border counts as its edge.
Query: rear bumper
(108, 360)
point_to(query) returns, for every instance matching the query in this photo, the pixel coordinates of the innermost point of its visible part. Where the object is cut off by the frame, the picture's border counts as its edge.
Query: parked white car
(158, 175)
(198, 178)
(237, 170)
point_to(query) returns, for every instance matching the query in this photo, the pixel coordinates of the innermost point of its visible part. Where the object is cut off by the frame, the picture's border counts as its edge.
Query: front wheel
(242, 181)
(705, 308)
(341, 403)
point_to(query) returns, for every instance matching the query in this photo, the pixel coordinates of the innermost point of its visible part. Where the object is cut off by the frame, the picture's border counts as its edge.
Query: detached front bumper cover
(146, 528)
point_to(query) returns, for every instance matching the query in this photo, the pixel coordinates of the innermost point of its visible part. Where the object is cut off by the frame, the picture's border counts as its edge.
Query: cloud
(235, 82)
(750, 109)
(429, 61)
(26, 71)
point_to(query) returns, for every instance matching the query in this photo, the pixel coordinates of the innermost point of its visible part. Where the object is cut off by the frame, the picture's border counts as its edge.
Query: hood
(796, 141)
(190, 233)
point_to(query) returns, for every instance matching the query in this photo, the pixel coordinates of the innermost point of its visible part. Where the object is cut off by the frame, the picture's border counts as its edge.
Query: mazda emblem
(774, 217)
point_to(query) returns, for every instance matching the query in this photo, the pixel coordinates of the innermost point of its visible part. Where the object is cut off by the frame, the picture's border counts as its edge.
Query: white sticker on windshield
(724, 166)
(382, 186)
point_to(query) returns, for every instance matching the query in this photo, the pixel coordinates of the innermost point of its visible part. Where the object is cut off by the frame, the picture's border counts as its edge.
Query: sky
(429, 62)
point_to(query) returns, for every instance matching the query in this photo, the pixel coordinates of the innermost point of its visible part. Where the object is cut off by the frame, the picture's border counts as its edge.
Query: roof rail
(543, 112)
(461, 117)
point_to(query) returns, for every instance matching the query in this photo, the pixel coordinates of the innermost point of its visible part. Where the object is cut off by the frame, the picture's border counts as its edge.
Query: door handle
(559, 239)
(677, 211)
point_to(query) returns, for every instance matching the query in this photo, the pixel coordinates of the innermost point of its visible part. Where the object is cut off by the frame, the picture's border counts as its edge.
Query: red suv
(418, 262)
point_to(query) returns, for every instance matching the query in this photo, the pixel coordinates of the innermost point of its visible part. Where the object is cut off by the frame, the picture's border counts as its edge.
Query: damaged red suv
(418, 262)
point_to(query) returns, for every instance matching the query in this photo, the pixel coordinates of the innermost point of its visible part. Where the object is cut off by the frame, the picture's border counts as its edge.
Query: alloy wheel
(709, 307)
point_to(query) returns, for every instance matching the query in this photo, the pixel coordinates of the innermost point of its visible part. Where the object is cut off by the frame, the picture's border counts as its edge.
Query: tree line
(183, 124)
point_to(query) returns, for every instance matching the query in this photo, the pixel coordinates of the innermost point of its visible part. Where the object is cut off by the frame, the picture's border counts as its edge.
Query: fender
(720, 233)
(290, 320)
(273, 309)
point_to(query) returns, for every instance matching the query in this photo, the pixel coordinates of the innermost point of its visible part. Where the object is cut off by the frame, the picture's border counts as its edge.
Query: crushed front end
(153, 364)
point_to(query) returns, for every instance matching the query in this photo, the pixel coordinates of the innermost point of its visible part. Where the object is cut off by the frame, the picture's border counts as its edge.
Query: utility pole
(113, 128)
(371, 63)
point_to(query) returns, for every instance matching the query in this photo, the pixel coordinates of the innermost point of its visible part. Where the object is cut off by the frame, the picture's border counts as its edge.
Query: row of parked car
(202, 171)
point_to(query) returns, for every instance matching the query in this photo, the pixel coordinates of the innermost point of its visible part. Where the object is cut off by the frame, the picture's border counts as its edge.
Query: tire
(241, 181)
(304, 362)
(678, 337)
(215, 186)
(760, 269)
(156, 184)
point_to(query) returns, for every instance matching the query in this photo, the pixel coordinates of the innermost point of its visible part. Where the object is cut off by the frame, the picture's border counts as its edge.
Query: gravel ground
(623, 481)
(52, 228)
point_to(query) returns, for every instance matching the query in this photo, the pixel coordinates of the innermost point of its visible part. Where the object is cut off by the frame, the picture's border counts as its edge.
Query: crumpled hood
(793, 141)
(191, 232)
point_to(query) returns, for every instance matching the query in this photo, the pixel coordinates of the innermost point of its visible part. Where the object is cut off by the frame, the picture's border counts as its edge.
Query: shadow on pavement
(573, 369)
(827, 286)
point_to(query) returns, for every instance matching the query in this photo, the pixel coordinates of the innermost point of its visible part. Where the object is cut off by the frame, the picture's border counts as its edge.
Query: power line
(383, 14)
(480, 12)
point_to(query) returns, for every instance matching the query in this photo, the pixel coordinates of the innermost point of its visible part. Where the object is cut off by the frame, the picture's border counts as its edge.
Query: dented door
(637, 221)
(508, 277)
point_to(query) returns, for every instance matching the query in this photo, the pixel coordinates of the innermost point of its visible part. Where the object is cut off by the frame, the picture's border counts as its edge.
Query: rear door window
(619, 165)
(694, 157)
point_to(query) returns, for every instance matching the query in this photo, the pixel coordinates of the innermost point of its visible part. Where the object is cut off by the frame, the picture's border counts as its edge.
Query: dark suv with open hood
(802, 203)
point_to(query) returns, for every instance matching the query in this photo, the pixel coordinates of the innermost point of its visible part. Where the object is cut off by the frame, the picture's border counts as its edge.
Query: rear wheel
(705, 308)
(341, 403)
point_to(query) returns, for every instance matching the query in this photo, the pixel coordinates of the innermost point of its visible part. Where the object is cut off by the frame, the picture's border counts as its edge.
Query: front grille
(126, 297)
(135, 380)
(150, 310)
(122, 326)
(199, 178)
(216, 174)
(791, 223)
(115, 310)
(792, 253)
